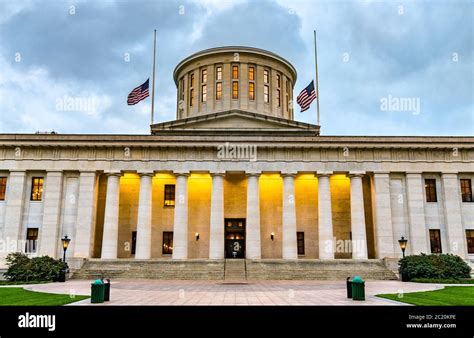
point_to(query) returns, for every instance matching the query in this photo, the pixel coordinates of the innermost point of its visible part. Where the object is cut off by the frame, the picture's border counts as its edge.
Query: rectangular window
(466, 190)
(251, 73)
(251, 91)
(430, 188)
(435, 241)
(167, 243)
(191, 81)
(3, 188)
(37, 188)
(235, 90)
(218, 90)
(218, 73)
(204, 76)
(169, 195)
(300, 239)
(266, 94)
(181, 89)
(265, 76)
(278, 98)
(278, 80)
(134, 242)
(470, 241)
(235, 72)
(31, 240)
(203, 93)
(191, 97)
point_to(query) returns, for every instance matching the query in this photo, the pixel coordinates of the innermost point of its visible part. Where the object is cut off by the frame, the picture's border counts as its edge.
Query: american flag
(306, 96)
(139, 93)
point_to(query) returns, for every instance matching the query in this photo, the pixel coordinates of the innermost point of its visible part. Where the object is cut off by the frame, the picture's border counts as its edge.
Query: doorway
(234, 237)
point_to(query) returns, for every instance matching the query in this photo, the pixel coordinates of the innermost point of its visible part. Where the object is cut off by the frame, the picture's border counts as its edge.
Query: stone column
(382, 211)
(85, 220)
(180, 232)
(416, 213)
(359, 236)
(216, 241)
(49, 234)
(326, 240)
(252, 237)
(143, 247)
(15, 198)
(111, 217)
(453, 219)
(290, 245)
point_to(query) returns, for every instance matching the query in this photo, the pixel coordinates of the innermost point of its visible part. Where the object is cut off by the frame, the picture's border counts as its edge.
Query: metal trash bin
(349, 287)
(62, 275)
(97, 291)
(358, 288)
(106, 289)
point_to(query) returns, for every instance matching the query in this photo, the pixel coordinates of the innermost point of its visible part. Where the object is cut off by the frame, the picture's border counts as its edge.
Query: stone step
(235, 269)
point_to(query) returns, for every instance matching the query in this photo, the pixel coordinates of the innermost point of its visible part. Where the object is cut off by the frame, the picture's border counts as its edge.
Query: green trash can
(358, 288)
(97, 292)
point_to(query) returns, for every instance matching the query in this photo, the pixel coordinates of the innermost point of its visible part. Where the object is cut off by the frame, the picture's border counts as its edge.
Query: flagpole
(153, 88)
(317, 81)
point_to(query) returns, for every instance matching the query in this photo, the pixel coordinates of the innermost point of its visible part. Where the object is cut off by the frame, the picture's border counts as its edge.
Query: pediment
(234, 121)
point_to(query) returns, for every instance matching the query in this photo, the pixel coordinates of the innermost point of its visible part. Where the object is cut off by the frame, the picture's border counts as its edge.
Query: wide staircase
(235, 270)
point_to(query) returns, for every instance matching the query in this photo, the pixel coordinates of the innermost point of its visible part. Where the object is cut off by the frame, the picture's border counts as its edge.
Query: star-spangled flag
(139, 93)
(306, 96)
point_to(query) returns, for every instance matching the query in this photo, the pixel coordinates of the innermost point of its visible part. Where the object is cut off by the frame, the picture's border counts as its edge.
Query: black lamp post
(403, 245)
(65, 241)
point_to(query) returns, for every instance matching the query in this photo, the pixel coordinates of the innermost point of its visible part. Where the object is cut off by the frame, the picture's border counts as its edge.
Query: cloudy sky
(372, 55)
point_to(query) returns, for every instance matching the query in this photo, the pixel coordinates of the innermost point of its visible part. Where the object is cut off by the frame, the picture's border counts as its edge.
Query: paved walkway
(159, 292)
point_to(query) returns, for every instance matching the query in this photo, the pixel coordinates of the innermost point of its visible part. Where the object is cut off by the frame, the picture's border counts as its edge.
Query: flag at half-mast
(306, 96)
(139, 93)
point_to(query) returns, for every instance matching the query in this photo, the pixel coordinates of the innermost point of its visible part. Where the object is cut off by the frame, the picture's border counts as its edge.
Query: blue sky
(368, 51)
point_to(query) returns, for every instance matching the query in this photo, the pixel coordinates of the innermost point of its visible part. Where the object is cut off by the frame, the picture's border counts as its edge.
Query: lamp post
(65, 241)
(403, 245)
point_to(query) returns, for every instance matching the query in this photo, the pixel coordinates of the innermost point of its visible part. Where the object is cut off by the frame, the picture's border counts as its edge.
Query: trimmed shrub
(439, 266)
(23, 268)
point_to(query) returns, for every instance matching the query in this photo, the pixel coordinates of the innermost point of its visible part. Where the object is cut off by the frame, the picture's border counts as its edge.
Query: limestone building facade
(235, 176)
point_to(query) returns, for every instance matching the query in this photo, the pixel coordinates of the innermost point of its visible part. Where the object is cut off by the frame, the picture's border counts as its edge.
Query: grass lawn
(21, 297)
(450, 295)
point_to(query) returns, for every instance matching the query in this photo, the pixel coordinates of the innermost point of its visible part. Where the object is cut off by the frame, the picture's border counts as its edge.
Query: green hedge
(23, 268)
(439, 266)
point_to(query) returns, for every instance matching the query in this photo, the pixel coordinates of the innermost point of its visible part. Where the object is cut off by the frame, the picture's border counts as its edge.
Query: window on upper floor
(37, 188)
(251, 91)
(218, 90)
(203, 93)
(266, 77)
(430, 189)
(466, 190)
(251, 73)
(3, 188)
(235, 72)
(219, 73)
(169, 195)
(204, 76)
(235, 90)
(266, 94)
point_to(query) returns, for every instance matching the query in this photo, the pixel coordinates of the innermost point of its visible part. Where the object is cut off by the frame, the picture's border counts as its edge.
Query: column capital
(17, 172)
(289, 174)
(414, 172)
(54, 172)
(146, 173)
(87, 172)
(253, 174)
(381, 173)
(217, 173)
(323, 174)
(113, 173)
(181, 173)
(449, 173)
(352, 174)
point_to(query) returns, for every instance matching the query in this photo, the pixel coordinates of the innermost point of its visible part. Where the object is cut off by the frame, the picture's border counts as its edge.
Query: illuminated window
(203, 93)
(470, 241)
(435, 241)
(218, 90)
(235, 90)
(466, 190)
(300, 242)
(219, 73)
(37, 188)
(169, 195)
(251, 73)
(265, 76)
(266, 94)
(235, 72)
(3, 188)
(31, 240)
(204, 76)
(430, 188)
(251, 91)
(167, 243)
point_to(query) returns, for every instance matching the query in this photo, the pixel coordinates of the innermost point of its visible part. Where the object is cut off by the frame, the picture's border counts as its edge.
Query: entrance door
(235, 237)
